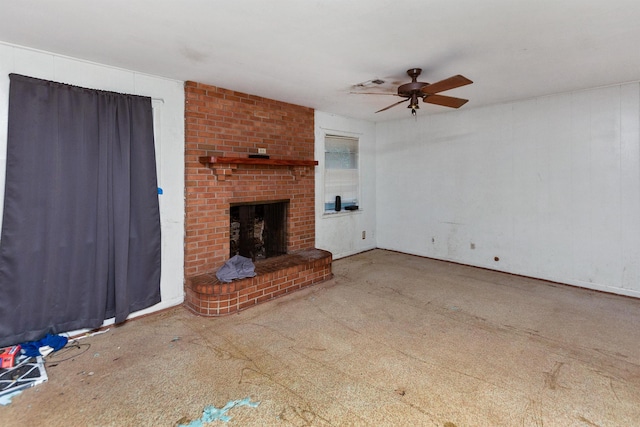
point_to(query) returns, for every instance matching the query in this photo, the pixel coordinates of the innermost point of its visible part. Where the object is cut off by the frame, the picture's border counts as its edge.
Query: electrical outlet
(262, 151)
(364, 235)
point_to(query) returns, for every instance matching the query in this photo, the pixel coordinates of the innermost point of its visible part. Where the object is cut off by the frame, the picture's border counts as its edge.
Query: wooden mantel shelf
(223, 166)
(215, 160)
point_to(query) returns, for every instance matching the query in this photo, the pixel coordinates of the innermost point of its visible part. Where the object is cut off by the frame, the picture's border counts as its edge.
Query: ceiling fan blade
(446, 84)
(392, 105)
(445, 101)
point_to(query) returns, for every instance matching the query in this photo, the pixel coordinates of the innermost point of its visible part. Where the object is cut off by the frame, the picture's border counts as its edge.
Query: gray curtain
(81, 227)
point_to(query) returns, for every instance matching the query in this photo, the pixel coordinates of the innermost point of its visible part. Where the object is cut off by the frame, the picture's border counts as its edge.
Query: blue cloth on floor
(211, 413)
(32, 348)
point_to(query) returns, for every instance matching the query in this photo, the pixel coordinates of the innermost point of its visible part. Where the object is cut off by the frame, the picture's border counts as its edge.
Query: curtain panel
(80, 238)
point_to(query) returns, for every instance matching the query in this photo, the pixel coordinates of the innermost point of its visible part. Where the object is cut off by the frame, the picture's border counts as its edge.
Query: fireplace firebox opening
(258, 229)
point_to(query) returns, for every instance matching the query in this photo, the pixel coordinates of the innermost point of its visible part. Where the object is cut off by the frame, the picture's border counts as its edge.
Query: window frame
(356, 199)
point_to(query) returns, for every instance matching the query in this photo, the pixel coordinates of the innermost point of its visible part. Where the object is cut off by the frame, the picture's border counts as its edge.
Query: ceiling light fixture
(414, 104)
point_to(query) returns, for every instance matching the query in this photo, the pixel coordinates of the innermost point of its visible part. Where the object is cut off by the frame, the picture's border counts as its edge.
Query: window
(341, 175)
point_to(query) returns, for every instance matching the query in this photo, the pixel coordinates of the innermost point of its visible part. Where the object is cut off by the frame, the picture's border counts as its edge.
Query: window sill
(333, 214)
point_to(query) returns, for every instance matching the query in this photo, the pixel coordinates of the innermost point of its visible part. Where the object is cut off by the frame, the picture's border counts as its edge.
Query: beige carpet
(392, 340)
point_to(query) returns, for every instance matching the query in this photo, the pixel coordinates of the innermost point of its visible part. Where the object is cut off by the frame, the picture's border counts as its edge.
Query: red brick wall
(221, 122)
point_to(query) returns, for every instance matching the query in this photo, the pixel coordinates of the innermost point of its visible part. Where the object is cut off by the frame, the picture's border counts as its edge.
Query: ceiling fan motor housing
(414, 87)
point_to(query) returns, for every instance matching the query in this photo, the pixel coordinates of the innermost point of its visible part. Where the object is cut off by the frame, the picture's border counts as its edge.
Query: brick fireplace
(222, 128)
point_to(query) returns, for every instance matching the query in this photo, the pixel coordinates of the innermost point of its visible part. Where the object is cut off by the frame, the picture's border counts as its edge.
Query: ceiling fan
(428, 92)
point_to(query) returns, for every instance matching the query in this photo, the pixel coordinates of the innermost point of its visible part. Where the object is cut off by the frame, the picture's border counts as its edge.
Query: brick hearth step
(276, 276)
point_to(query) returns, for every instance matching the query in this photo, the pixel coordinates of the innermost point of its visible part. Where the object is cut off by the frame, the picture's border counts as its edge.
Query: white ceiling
(313, 52)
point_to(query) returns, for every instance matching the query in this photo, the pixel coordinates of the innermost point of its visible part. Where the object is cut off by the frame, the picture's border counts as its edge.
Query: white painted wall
(168, 103)
(341, 233)
(551, 186)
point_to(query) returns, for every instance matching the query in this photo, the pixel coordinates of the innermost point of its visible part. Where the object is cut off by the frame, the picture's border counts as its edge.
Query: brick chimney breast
(224, 123)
